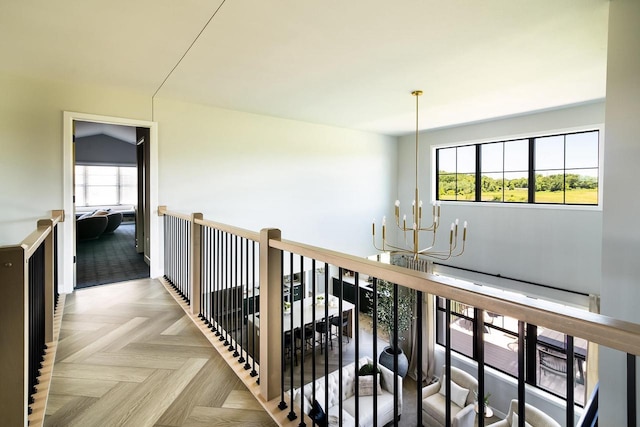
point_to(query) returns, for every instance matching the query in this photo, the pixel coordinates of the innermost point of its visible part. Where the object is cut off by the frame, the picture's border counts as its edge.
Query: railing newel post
(270, 322)
(14, 394)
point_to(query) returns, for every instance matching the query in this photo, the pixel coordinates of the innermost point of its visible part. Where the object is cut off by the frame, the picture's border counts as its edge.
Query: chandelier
(417, 226)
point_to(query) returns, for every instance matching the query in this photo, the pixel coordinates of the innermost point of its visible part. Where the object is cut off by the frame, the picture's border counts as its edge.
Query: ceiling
(122, 133)
(343, 63)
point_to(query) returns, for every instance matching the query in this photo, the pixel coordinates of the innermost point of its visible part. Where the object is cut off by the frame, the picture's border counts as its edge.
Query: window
(456, 173)
(501, 339)
(105, 185)
(556, 169)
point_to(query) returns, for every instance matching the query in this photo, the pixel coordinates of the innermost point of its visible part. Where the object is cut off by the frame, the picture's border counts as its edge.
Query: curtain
(427, 340)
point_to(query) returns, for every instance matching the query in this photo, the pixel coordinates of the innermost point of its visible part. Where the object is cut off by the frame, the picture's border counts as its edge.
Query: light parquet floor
(129, 356)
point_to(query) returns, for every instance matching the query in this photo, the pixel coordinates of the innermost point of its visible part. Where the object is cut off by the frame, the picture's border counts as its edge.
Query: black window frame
(531, 172)
(530, 340)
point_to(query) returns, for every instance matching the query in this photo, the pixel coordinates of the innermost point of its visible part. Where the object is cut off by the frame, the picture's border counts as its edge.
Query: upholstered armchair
(462, 400)
(114, 219)
(534, 417)
(90, 227)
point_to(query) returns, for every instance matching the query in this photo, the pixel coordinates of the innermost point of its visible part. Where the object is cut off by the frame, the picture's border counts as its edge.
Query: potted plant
(386, 321)
(485, 399)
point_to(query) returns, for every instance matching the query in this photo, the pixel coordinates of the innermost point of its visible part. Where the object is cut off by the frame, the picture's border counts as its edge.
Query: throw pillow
(514, 421)
(458, 394)
(365, 385)
(317, 415)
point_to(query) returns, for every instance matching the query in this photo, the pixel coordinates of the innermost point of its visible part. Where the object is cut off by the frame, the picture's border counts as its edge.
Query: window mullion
(478, 173)
(532, 171)
(119, 184)
(437, 195)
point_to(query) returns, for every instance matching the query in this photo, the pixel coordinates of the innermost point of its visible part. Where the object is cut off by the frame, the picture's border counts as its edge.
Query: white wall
(31, 164)
(621, 234)
(320, 185)
(552, 246)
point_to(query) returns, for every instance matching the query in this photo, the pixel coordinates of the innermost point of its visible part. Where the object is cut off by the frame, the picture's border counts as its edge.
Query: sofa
(462, 400)
(534, 417)
(385, 398)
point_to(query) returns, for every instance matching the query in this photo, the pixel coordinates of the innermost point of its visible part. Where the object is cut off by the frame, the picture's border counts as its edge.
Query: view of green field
(581, 190)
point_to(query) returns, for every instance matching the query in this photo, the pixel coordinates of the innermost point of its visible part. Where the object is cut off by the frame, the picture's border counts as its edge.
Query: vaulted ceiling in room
(343, 63)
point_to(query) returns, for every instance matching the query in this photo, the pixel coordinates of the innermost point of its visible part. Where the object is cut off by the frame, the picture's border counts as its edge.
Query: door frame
(68, 241)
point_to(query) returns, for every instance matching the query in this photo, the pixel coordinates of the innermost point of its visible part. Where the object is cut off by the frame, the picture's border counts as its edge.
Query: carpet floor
(109, 259)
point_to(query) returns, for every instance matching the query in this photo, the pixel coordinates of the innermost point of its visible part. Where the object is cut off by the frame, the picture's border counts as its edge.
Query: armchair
(434, 401)
(534, 417)
(90, 227)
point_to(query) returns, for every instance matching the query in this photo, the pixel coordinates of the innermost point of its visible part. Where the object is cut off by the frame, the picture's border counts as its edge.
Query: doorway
(111, 210)
(145, 140)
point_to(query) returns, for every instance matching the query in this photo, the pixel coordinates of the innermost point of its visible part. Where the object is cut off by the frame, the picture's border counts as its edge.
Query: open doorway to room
(110, 201)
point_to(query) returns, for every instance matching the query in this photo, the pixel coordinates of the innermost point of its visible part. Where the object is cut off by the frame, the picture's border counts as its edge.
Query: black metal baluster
(244, 281)
(478, 336)
(631, 391)
(292, 338)
(395, 352)
(356, 343)
(419, 379)
(303, 341)
(220, 293)
(234, 297)
(570, 381)
(521, 374)
(282, 405)
(374, 287)
(447, 363)
(203, 277)
(340, 362)
(227, 289)
(253, 326)
(313, 331)
(326, 333)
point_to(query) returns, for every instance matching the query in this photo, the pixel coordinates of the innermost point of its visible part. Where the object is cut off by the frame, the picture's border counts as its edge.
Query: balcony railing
(294, 322)
(28, 273)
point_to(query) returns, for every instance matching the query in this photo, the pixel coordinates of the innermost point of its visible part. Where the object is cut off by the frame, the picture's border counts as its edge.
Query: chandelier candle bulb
(384, 228)
(451, 235)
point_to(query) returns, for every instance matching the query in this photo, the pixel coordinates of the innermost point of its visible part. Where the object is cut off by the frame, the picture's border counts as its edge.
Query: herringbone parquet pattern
(129, 356)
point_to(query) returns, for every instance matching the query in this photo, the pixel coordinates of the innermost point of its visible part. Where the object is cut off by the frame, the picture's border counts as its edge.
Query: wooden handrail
(45, 226)
(162, 210)
(597, 328)
(241, 232)
(610, 332)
